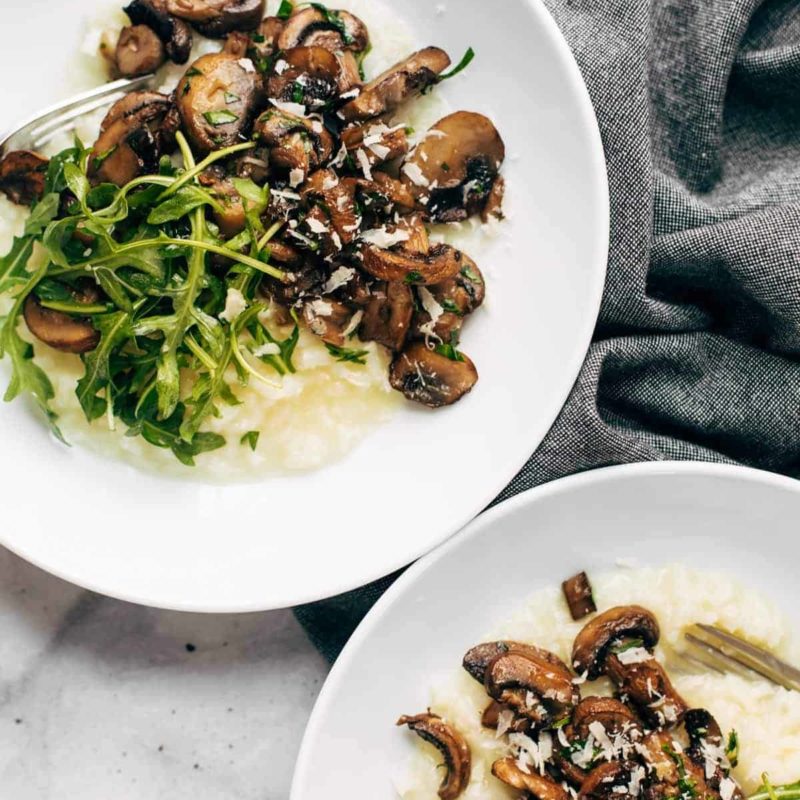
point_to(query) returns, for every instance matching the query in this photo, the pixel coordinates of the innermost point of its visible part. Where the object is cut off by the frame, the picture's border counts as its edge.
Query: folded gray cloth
(695, 354)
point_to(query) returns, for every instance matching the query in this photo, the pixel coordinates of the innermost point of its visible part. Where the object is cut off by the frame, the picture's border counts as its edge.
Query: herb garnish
(251, 439)
(413, 277)
(286, 9)
(686, 787)
(466, 60)
(221, 117)
(789, 791)
(732, 749)
(347, 354)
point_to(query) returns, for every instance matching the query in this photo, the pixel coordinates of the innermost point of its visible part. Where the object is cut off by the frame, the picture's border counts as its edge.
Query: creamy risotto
(307, 419)
(766, 718)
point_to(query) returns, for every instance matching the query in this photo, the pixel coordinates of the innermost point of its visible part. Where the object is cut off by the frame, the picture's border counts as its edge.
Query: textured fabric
(695, 353)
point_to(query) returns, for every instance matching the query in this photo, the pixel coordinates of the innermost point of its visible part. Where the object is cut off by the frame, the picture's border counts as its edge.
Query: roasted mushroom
(173, 32)
(305, 75)
(428, 377)
(217, 98)
(135, 133)
(493, 714)
(297, 145)
(532, 686)
(578, 594)
(139, 51)
(328, 319)
(440, 263)
(64, 332)
(536, 786)
(399, 83)
(451, 744)
(615, 717)
(603, 782)
(478, 658)
(452, 172)
(387, 315)
(231, 218)
(331, 29)
(598, 636)
(216, 18)
(22, 176)
(377, 141)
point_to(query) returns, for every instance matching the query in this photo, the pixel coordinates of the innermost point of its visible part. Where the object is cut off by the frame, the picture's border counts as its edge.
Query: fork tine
(40, 128)
(731, 649)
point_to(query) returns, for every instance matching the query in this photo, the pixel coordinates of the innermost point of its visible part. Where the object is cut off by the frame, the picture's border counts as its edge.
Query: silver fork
(36, 132)
(724, 652)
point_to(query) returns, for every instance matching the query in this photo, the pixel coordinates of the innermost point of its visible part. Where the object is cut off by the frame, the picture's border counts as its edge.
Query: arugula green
(347, 354)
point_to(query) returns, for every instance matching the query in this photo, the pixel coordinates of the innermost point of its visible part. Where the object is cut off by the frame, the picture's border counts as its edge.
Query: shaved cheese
(321, 308)
(296, 177)
(727, 788)
(381, 151)
(434, 309)
(268, 349)
(380, 237)
(363, 161)
(281, 66)
(635, 655)
(415, 174)
(338, 278)
(285, 195)
(353, 93)
(505, 719)
(341, 157)
(295, 109)
(246, 64)
(316, 226)
(352, 326)
(330, 182)
(235, 304)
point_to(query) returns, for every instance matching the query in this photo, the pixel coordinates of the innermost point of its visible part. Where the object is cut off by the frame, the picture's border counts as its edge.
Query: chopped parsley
(413, 277)
(286, 9)
(466, 60)
(470, 274)
(687, 788)
(222, 117)
(347, 354)
(448, 305)
(732, 748)
(251, 439)
(230, 97)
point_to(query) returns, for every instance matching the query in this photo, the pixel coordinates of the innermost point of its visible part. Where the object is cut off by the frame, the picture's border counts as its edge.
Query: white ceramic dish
(737, 519)
(186, 545)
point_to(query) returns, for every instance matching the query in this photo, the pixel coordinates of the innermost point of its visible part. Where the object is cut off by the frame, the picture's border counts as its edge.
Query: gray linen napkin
(695, 354)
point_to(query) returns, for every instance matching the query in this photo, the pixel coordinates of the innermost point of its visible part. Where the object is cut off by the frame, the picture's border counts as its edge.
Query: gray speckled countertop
(103, 699)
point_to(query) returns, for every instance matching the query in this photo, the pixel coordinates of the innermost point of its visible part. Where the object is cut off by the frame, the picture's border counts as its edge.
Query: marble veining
(103, 699)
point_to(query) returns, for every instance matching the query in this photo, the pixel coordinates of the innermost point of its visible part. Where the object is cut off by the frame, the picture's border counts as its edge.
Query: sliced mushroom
(296, 145)
(216, 18)
(22, 176)
(253, 164)
(578, 594)
(615, 717)
(65, 332)
(284, 253)
(537, 786)
(494, 202)
(491, 718)
(217, 99)
(173, 32)
(378, 141)
(596, 638)
(337, 198)
(328, 319)
(478, 658)
(139, 51)
(387, 315)
(440, 263)
(306, 75)
(451, 744)
(331, 29)
(648, 687)
(452, 172)
(135, 133)
(534, 687)
(431, 378)
(603, 782)
(232, 218)
(398, 84)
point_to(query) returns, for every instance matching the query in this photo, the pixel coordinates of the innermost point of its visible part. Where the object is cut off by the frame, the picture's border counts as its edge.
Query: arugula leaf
(789, 791)
(250, 438)
(347, 354)
(115, 330)
(185, 200)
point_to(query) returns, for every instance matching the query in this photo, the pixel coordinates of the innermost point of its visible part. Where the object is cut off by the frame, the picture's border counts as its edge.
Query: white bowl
(726, 518)
(281, 541)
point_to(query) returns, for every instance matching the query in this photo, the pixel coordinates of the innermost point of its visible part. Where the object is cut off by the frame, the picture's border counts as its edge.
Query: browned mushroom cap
(295, 142)
(537, 786)
(139, 51)
(306, 75)
(22, 176)
(387, 315)
(579, 597)
(431, 378)
(332, 29)
(596, 638)
(478, 658)
(438, 264)
(614, 716)
(453, 170)
(328, 319)
(134, 134)
(217, 98)
(61, 331)
(303, 279)
(648, 687)
(216, 18)
(232, 218)
(603, 782)
(451, 744)
(384, 193)
(379, 142)
(533, 686)
(705, 740)
(174, 33)
(399, 83)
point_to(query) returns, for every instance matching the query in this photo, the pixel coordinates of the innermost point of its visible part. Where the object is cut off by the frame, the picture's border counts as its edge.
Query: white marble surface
(102, 699)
